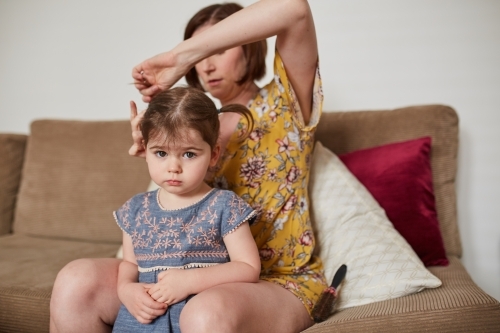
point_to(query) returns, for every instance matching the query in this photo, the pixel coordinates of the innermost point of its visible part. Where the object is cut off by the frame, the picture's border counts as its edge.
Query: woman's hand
(156, 74)
(136, 299)
(172, 286)
(137, 148)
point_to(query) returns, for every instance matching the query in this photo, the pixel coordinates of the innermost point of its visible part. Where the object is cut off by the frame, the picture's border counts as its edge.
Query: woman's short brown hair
(255, 53)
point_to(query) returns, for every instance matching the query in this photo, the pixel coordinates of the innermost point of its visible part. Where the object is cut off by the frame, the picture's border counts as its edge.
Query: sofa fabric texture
(11, 162)
(76, 171)
(61, 191)
(457, 306)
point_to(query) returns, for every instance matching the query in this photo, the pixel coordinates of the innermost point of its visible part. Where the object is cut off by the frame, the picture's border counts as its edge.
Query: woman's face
(219, 73)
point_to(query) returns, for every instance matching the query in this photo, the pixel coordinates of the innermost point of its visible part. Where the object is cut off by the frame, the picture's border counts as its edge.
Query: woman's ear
(215, 155)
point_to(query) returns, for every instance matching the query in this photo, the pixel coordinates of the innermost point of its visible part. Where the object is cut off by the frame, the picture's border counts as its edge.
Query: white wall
(72, 59)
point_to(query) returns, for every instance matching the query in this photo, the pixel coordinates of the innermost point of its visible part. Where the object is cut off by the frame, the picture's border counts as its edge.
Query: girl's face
(219, 73)
(180, 168)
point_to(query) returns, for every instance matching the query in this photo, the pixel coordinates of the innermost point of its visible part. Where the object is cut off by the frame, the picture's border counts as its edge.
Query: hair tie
(218, 111)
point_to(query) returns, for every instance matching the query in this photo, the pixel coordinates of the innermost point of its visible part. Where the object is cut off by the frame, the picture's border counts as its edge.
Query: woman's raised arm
(290, 20)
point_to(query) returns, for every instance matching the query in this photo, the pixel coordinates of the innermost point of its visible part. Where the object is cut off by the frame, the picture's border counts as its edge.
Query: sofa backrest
(75, 174)
(343, 132)
(11, 161)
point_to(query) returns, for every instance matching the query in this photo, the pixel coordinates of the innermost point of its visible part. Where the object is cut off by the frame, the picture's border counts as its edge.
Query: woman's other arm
(175, 285)
(137, 148)
(290, 20)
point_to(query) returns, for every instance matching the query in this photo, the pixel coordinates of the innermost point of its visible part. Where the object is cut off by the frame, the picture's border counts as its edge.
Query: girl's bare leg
(245, 307)
(84, 298)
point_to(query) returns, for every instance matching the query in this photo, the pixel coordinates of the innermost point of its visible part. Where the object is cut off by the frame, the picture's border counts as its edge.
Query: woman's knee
(79, 273)
(79, 279)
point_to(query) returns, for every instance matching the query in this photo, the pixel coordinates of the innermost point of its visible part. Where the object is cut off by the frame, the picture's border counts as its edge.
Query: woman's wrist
(187, 54)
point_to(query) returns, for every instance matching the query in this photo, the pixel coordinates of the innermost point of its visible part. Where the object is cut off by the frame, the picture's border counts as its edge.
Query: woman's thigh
(85, 297)
(245, 307)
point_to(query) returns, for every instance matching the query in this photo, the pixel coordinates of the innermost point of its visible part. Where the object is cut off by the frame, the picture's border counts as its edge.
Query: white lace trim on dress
(164, 268)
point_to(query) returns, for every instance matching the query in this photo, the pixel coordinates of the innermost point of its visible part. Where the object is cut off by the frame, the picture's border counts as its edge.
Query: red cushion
(399, 177)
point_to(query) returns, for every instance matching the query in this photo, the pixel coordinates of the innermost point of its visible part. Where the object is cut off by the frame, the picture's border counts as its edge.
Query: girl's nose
(174, 166)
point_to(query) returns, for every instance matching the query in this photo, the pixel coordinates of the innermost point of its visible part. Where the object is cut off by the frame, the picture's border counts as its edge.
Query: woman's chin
(216, 93)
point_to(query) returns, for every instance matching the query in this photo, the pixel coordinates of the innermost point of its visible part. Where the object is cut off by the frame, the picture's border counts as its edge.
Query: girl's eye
(161, 153)
(189, 154)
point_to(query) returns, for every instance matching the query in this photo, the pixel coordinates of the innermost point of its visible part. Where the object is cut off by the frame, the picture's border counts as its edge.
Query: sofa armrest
(12, 148)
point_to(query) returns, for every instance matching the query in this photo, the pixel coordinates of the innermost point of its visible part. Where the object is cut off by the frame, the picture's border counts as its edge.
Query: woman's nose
(207, 65)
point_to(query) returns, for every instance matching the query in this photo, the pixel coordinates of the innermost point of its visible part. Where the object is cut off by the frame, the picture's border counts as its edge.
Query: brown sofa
(59, 185)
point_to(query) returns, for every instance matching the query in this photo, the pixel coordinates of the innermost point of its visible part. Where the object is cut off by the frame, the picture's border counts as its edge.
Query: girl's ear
(215, 155)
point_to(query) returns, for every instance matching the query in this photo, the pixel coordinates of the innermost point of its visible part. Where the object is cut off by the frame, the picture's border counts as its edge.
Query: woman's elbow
(299, 10)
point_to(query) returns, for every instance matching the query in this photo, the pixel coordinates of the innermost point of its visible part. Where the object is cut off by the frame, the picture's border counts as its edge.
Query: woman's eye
(189, 154)
(161, 153)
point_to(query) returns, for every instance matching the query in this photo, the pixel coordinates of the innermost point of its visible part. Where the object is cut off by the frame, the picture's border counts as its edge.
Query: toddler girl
(184, 237)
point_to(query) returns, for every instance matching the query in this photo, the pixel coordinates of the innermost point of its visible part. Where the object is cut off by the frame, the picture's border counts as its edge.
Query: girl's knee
(208, 314)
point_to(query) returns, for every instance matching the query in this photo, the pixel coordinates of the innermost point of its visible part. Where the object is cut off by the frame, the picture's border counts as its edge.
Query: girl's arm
(289, 20)
(175, 285)
(132, 294)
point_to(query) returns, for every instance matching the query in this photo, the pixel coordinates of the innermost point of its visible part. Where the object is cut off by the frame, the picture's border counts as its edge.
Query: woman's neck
(248, 91)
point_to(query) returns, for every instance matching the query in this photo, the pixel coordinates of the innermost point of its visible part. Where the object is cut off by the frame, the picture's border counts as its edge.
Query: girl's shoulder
(227, 200)
(227, 195)
(144, 197)
(138, 201)
(127, 214)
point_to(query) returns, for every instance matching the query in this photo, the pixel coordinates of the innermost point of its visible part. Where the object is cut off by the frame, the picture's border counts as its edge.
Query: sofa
(60, 183)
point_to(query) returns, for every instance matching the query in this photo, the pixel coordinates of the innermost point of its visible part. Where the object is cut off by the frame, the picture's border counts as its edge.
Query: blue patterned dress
(190, 237)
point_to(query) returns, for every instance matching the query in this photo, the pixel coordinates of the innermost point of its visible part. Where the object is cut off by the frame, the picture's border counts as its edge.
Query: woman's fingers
(137, 148)
(135, 117)
(137, 72)
(149, 92)
(133, 110)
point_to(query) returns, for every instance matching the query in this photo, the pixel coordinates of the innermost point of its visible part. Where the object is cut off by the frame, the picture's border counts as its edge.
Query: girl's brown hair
(172, 112)
(255, 53)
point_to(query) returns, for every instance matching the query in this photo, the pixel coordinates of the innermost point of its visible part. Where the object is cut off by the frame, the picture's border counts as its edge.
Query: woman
(269, 170)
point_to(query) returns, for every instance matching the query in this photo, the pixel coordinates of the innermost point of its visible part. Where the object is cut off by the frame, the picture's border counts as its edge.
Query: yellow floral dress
(270, 170)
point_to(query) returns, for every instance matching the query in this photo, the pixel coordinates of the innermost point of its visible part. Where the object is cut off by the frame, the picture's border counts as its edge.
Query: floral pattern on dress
(270, 170)
(182, 237)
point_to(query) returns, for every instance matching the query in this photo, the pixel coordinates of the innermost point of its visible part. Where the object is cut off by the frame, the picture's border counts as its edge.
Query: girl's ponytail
(243, 111)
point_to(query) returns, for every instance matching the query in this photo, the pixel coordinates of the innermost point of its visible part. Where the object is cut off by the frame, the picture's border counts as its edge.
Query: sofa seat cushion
(29, 268)
(459, 305)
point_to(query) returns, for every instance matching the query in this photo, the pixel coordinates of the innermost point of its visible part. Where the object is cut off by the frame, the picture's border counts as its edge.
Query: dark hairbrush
(326, 303)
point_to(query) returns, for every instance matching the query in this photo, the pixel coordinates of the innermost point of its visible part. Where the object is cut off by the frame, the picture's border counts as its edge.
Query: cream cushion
(351, 228)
